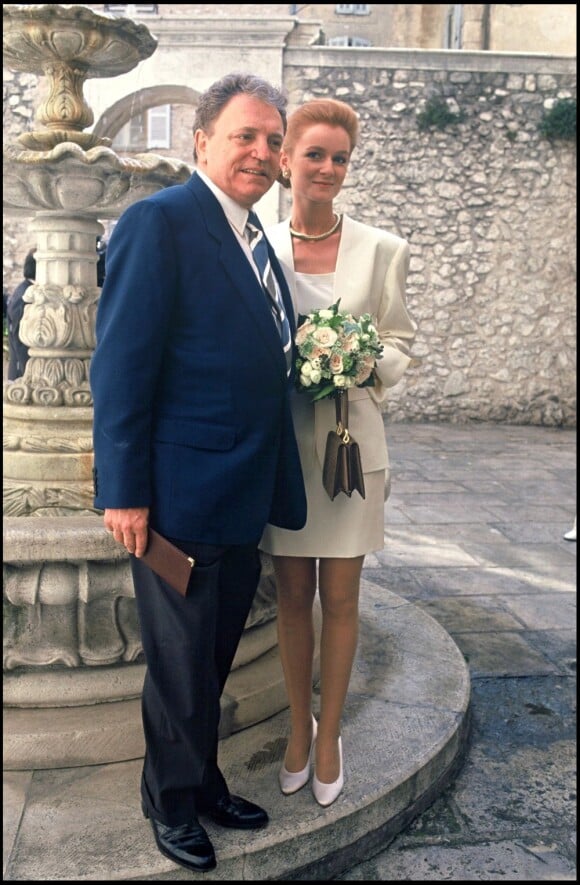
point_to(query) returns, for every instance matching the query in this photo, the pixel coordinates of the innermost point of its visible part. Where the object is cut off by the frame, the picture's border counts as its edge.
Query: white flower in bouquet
(335, 352)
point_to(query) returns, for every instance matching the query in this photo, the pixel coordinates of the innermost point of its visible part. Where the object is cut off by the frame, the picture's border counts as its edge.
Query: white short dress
(345, 527)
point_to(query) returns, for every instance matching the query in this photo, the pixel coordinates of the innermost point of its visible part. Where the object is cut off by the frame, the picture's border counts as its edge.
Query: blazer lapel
(346, 276)
(348, 269)
(237, 267)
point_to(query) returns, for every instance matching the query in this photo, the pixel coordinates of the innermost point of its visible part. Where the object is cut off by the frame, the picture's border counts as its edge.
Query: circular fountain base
(73, 662)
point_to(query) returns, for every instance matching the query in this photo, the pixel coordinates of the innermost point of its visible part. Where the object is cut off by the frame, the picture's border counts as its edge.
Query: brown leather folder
(168, 561)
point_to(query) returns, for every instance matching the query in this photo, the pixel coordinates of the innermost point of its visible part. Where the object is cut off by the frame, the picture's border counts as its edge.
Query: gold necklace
(301, 236)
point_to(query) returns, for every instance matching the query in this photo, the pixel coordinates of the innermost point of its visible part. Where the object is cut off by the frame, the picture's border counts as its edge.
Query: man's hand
(129, 527)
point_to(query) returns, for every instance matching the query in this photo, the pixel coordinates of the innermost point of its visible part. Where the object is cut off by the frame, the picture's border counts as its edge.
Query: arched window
(151, 129)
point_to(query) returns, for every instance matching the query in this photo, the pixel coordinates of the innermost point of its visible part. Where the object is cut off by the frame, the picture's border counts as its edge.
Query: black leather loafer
(233, 811)
(187, 845)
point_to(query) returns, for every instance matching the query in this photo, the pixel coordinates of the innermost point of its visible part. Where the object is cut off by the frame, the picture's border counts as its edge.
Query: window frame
(352, 9)
(137, 132)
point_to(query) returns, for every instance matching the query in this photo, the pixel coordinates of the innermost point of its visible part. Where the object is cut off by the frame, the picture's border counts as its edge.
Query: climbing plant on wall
(560, 121)
(437, 114)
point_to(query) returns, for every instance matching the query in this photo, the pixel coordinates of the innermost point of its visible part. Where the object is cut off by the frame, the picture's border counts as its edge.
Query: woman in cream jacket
(326, 257)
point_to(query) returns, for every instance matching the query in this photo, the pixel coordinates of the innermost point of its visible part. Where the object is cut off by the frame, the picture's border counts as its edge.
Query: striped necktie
(261, 258)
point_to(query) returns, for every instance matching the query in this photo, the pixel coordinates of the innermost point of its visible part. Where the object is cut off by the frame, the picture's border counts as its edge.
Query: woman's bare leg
(296, 588)
(339, 583)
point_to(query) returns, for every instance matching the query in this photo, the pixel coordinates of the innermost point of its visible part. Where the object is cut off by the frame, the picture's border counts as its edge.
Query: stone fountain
(73, 663)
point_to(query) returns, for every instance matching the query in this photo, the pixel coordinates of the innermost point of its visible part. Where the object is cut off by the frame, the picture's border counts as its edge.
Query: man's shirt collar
(237, 215)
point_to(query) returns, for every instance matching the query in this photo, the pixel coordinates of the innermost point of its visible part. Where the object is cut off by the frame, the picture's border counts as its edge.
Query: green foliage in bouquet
(335, 351)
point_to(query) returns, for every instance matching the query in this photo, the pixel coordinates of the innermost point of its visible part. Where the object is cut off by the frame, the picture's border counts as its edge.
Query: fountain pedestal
(73, 661)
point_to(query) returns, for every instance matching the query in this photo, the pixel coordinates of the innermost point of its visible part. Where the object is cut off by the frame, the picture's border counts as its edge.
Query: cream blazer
(371, 270)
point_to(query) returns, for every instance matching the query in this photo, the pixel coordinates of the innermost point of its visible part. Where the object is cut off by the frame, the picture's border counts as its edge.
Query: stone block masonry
(487, 204)
(489, 209)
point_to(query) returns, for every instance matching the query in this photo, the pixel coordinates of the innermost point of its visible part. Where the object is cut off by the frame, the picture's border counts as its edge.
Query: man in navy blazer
(193, 436)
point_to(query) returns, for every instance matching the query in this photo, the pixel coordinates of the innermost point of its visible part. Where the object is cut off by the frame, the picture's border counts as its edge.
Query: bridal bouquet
(335, 352)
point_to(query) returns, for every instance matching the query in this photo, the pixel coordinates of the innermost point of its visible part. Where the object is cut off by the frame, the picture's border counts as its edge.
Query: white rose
(336, 364)
(325, 336)
(306, 369)
(316, 376)
(339, 381)
(325, 314)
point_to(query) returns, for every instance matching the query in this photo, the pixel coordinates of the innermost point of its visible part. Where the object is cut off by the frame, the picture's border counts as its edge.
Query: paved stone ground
(474, 538)
(502, 496)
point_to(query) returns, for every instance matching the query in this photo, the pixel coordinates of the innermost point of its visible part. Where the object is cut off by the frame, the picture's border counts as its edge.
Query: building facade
(498, 27)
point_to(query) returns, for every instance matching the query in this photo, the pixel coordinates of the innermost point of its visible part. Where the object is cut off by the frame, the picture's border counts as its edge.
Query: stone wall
(487, 204)
(489, 208)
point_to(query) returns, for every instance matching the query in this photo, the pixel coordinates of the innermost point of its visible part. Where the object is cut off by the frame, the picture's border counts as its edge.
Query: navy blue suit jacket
(191, 397)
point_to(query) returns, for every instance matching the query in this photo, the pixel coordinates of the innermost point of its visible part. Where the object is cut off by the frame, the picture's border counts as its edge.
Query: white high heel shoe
(325, 794)
(292, 781)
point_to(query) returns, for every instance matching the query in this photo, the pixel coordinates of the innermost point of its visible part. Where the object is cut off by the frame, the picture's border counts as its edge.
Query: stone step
(91, 734)
(405, 732)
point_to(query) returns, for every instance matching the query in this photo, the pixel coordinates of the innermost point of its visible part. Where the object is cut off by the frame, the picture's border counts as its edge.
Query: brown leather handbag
(342, 469)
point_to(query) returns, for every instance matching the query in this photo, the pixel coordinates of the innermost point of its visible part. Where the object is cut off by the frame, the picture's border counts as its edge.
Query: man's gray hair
(213, 100)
